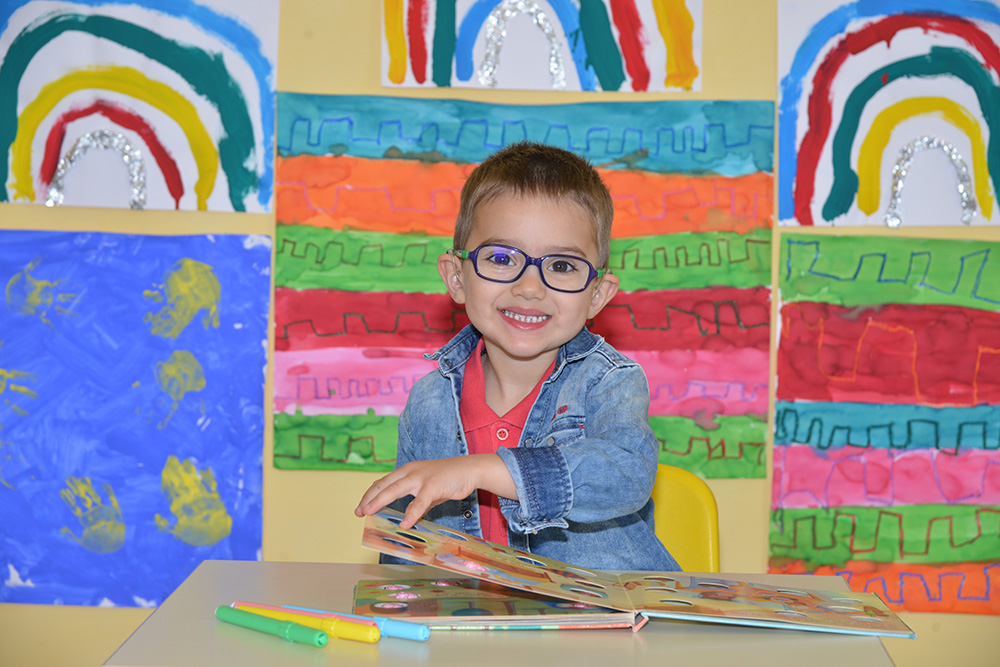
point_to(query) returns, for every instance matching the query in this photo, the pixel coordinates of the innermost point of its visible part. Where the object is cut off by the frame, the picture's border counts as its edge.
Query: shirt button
(467, 514)
(502, 434)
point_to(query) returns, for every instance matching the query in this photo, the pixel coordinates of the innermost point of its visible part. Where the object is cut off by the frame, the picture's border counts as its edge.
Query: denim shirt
(584, 467)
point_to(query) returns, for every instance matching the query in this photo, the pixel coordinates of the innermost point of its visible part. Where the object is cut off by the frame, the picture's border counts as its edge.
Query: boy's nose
(530, 283)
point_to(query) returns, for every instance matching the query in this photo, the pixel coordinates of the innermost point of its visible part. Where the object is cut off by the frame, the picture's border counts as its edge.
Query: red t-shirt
(486, 433)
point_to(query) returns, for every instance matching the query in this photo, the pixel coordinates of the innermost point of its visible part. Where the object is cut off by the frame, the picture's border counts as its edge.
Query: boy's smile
(526, 321)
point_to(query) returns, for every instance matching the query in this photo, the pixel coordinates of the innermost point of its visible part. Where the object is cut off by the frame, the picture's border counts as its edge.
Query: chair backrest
(687, 518)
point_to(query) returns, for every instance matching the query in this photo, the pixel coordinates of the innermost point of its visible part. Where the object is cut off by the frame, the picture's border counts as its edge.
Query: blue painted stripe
(835, 425)
(727, 138)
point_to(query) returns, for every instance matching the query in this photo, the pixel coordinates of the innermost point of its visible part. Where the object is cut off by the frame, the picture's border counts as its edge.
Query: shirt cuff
(544, 489)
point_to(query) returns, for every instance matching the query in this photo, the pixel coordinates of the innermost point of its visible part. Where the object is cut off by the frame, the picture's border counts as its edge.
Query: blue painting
(132, 374)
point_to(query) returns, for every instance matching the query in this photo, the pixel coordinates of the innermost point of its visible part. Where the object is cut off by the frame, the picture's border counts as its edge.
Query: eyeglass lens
(506, 264)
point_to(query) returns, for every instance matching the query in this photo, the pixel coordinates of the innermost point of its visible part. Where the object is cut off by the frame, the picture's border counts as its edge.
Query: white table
(184, 630)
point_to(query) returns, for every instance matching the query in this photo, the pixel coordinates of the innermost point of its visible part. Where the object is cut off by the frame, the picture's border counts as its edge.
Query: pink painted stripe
(808, 477)
(702, 383)
(696, 384)
(347, 380)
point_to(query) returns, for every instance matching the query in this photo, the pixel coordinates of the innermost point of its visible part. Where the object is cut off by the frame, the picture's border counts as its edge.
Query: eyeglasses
(506, 264)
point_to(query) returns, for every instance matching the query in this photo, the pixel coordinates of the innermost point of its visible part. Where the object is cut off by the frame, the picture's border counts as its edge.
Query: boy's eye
(500, 258)
(563, 265)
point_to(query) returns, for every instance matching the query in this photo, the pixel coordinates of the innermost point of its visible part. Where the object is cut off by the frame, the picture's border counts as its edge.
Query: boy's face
(526, 320)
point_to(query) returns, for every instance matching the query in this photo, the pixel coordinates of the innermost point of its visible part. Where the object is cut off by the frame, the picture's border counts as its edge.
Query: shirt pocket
(564, 429)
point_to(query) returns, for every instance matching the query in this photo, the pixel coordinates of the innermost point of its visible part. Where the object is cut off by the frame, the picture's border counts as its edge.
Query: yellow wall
(332, 46)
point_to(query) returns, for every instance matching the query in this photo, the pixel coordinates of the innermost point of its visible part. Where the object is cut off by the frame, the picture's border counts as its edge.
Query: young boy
(545, 420)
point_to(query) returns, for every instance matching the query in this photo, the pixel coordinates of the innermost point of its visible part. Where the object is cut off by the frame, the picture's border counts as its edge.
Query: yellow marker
(335, 627)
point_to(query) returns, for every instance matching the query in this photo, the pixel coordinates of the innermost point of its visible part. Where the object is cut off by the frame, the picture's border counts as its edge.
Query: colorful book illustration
(671, 595)
(461, 603)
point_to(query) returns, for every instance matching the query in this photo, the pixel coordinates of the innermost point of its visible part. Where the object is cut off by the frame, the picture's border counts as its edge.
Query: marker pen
(335, 627)
(390, 627)
(293, 632)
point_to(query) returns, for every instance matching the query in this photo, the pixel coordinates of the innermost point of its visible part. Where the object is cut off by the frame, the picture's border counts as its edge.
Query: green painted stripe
(602, 49)
(316, 258)
(869, 270)
(335, 442)
(930, 534)
(733, 450)
(368, 442)
(690, 260)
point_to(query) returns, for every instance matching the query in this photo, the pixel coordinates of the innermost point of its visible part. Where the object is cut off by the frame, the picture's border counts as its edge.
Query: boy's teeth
(530, 319)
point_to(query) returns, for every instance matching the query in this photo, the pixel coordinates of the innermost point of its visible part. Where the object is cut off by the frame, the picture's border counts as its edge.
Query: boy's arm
(433, 482)
(605, 471)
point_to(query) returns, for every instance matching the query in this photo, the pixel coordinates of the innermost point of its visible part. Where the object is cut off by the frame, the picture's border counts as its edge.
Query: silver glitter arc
(103, 140)
(496, 33)
(894, 212)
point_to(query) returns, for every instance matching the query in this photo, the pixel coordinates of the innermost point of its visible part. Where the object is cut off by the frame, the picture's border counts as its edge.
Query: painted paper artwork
(589, 45)
(887, 423)
(132, 376)
(138, 103)
(367, 195)
(881, 98)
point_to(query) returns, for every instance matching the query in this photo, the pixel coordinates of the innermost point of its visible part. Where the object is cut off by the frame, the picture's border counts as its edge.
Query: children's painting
(588, 45)
(889, 112)
(887, 422)
(132, 374)
(138, 103)
(367, 196)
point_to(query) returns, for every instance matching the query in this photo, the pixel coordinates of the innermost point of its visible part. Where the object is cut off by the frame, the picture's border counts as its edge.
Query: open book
(636, 596)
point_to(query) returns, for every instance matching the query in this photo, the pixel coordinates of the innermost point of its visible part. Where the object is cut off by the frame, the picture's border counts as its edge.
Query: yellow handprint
(190, 288)
(28, 295)
(13, 380)
(194, 501)
(103, 530)
(178, 375)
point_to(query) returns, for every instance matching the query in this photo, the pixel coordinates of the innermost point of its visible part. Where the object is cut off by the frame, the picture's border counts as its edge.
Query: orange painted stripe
(961, 588)
(407, 196)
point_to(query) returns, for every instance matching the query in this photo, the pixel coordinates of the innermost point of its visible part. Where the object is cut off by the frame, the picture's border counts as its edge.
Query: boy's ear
(450, 270)
(606, 289)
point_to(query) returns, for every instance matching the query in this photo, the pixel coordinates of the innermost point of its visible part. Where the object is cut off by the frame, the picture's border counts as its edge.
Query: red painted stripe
(127, 119)
(312, 319)
(820, 101)
(629, 24)
(711, 319)
(940, 356)
(416, 27)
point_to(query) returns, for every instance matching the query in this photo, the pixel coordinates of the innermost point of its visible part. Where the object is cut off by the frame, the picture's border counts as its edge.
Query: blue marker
(389, 627)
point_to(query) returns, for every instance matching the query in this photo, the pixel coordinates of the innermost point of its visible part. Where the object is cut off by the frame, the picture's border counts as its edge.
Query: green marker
(289, 630)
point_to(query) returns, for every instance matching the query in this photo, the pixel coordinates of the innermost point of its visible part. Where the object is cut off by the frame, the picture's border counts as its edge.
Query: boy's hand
(433, 482)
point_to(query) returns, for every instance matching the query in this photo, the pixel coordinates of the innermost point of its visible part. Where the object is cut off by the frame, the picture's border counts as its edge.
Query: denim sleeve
(605, 473)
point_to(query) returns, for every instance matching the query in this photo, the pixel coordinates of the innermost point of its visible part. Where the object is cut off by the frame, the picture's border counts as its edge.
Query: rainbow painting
(367, 194)
(887, 420)
(166, 105)
(875, 96)
(588, 45)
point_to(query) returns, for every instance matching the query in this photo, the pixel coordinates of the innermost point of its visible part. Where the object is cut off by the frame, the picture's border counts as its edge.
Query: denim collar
(456, 352)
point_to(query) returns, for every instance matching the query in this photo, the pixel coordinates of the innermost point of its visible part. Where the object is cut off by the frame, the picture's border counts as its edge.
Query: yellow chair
(687, 518)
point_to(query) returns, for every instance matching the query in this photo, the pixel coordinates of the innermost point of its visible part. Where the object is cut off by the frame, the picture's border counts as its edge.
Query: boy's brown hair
(533, 169)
